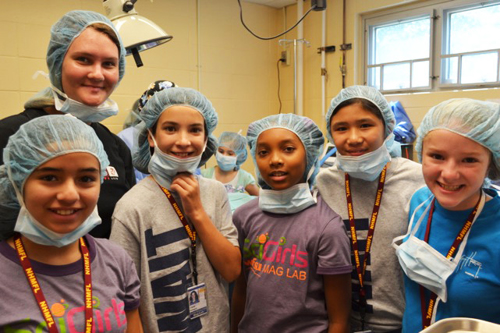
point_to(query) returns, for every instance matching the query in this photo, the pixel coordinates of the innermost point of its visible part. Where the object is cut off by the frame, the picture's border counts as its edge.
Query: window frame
(438, 11)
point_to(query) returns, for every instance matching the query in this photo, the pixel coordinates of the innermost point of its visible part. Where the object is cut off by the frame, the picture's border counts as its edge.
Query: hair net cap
(364, 92)
(161, 101)
(64, 32)
(237, 143)
(35, 143)
(306, 130)
(473, 119)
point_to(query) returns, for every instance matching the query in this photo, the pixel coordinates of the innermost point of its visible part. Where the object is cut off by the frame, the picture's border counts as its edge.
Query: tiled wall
(210, 51)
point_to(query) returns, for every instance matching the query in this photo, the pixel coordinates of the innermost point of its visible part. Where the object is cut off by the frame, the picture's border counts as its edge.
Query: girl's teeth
(450, 187)
(65, 212)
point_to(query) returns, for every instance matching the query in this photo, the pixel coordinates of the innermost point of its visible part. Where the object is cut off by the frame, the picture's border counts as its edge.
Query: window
(449, 44)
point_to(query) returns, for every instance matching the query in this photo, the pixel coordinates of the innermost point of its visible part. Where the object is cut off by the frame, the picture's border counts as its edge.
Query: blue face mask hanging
(86, 113)
(226, 163)
(30, 228)
(368, 166)
(424, 264)
(288, 201)
(163, 167)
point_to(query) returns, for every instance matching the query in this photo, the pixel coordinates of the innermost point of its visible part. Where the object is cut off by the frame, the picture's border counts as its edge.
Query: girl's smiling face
(356, 131)
(180, 132)
(454, 168)
(90, 69)
(63, 192)
(281, 158)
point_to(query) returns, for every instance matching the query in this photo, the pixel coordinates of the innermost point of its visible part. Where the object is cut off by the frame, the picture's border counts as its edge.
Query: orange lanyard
(427, 315)
(371, 230)
(40, 297)
(190, 232)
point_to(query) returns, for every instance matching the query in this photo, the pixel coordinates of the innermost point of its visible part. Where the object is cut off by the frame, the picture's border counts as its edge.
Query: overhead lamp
(137, 32)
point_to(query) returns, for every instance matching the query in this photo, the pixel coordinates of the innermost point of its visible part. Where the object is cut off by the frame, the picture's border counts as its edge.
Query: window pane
(420, 74)
(374, 77)
(475, 30)
(402, 41)
(479, 67)
(449, 70)
(396, 76)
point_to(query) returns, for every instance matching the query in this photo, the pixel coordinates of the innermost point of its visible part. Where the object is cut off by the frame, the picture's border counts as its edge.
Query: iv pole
(294, 41)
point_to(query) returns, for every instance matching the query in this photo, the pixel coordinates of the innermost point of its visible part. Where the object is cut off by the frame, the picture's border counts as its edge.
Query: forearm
(238, 303)
(338, 302)
(224, 256)
(134, 324)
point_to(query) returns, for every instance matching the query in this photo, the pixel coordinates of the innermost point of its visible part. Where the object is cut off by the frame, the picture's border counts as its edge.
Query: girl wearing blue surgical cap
(177, 226)
(86, 61)
(450, 252)
(231, 154)
(370, 187)
(54, 275)
(296, 263)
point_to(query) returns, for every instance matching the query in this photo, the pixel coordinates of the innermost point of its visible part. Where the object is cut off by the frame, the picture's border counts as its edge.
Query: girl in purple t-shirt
(296, 257)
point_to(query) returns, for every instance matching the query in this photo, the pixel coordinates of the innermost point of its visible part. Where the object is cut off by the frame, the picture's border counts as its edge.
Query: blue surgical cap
(64, 32)
(306, 130)
(161, 101)
(35, 143)
(367, 93)
(473, 119)
(237, 143)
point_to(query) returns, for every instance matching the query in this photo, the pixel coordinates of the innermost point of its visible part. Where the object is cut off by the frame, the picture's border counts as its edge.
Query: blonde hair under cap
(62, 35)
(470, 118)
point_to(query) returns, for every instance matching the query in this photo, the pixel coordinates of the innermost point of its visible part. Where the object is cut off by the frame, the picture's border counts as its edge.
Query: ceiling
(273, 3)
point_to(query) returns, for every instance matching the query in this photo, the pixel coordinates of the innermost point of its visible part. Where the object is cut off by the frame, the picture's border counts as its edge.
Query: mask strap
(152, 137)
(42, 73)
(412, 230)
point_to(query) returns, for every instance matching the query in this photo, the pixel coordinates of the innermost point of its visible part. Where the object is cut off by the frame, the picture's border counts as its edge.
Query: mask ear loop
(412, 230)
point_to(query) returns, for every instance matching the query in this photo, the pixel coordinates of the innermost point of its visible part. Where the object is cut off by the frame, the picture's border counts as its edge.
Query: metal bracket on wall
(345, 47)
(327, 49)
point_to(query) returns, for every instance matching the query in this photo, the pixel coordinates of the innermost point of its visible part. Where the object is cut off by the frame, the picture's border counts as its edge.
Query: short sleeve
(223, 212)
(246, 178)
(133, 285)
(334, 250)
(126, 234)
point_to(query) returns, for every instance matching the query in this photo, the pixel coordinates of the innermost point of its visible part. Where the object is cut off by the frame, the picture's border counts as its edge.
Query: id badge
(197, 298)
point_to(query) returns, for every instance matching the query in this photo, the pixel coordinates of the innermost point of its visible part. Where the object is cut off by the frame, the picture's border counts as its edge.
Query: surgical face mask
(368, 166)
(226, 163)
(86, 113)
(30, 228)
(292, 200)
(163, 167)
(422, 263)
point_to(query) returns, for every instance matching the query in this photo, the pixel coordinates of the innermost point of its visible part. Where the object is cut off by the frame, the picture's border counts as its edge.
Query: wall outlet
(285, 55)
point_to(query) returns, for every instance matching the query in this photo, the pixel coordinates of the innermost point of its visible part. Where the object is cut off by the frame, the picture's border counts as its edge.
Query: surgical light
(137, 32)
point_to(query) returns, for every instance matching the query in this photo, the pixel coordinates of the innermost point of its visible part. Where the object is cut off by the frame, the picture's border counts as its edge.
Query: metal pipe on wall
(323, 65)
(300, 61)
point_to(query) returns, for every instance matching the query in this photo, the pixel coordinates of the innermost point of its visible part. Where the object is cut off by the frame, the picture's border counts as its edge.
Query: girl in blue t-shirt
(450, 253)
